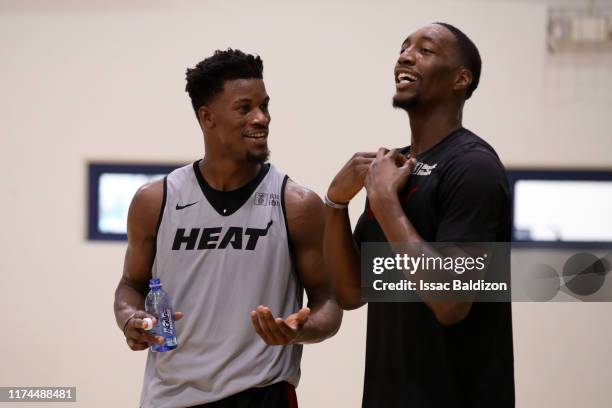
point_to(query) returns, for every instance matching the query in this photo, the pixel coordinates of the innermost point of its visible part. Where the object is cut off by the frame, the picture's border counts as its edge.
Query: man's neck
(227, 175)
(430, 126)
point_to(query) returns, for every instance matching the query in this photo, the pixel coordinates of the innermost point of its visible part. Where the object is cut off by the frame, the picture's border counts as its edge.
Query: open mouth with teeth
(406, 78)
(257, 135)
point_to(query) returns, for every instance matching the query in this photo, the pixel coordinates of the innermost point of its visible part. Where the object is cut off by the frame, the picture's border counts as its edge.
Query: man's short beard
(258, 158)
(405, 104)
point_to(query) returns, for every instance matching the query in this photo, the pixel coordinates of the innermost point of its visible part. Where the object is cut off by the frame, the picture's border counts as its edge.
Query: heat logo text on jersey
(209, 238)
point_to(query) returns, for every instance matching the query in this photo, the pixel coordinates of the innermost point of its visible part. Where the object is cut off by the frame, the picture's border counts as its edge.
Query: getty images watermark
(485, 272)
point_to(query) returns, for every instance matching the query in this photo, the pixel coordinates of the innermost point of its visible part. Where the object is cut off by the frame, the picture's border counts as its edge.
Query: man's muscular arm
(342, 256)
(322, 318)
(133, 286)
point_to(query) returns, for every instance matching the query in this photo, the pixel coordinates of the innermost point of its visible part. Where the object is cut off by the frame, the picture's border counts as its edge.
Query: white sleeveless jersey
(216, 269)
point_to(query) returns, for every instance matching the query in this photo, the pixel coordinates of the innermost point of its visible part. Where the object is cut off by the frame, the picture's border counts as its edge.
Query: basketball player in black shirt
(447, 186)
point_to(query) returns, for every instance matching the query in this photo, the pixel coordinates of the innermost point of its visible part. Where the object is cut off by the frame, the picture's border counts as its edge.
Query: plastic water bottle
(158, 304)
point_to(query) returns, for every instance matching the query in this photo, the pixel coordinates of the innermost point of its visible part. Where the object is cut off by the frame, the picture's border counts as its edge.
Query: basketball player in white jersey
(234, 242)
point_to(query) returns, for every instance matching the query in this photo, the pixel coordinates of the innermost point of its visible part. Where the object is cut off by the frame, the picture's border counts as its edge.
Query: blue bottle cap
(155, 283)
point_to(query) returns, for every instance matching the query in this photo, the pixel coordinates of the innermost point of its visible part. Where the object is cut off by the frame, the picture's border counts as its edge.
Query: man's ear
(463, 79)
(206, 117)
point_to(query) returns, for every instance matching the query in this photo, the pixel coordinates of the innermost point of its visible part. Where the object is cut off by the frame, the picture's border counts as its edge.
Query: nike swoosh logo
(180, 207)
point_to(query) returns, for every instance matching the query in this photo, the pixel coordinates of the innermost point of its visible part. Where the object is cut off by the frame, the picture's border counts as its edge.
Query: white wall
(97, 80)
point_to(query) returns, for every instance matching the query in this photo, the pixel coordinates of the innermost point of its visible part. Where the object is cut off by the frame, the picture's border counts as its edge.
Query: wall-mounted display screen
(572, 207)
(111, 189)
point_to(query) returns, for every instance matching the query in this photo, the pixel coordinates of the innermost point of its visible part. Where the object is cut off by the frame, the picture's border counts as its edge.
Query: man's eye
(244, 108)
(426, 51)
(402, 50)
(264, 107)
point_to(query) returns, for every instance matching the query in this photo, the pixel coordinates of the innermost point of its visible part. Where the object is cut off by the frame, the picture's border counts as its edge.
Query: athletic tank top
(216, 269)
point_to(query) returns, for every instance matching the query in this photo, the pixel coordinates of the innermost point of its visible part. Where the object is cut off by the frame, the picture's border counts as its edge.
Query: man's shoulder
(150, 194)
(146, 206)
(300, 198)
(470, 151)
(468, 142)
(303, 210)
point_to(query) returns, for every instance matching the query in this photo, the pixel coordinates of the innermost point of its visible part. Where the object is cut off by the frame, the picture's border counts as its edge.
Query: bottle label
(166, 322)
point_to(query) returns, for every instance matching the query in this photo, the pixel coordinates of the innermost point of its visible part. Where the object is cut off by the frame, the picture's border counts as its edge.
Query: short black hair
(469, 55)
(205, 80)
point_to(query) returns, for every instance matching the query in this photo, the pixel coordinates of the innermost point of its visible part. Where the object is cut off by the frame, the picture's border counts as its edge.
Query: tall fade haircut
(206, 79)
(470, 57)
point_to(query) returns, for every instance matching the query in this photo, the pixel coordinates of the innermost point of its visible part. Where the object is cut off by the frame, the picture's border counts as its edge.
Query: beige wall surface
(83, 81)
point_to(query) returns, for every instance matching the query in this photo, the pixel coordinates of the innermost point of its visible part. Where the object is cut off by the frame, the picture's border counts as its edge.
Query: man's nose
(407, 56)
(260, 117)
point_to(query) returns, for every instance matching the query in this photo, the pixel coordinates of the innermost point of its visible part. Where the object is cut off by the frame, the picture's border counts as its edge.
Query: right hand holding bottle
(136, 330)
